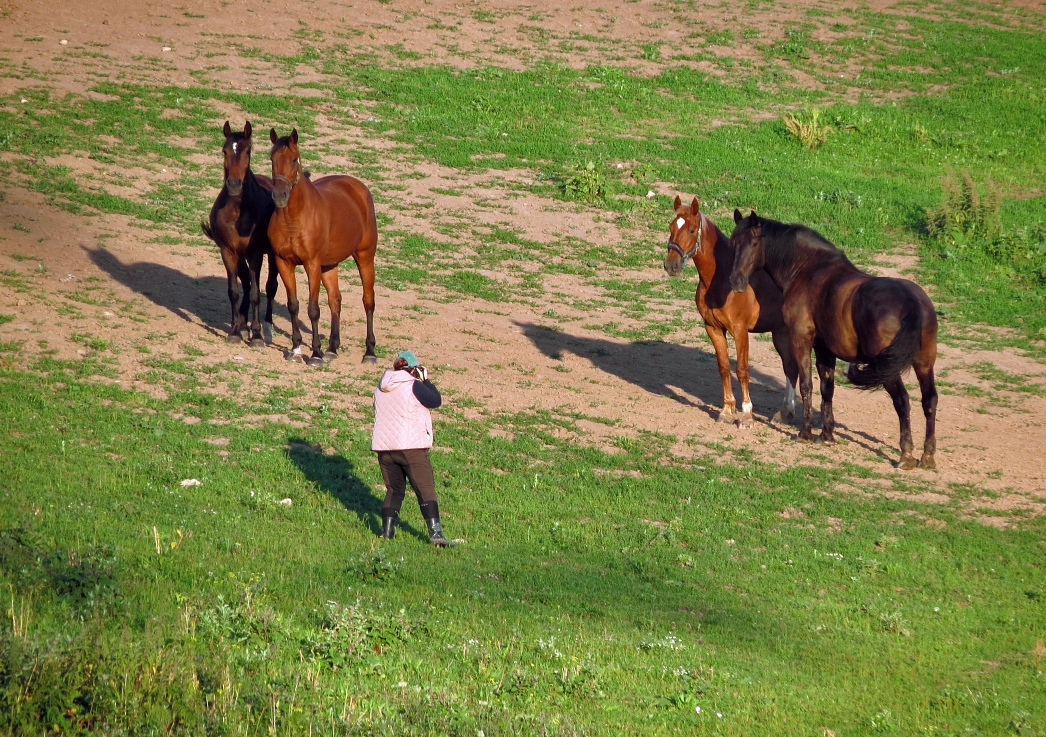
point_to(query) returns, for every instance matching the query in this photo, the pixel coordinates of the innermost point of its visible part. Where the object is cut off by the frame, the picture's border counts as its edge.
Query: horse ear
(754, 217)
(678, 203)
(738, 217)
(695, 205)
(247, 129)
(294, 135)
(272, 135)
(227, 129)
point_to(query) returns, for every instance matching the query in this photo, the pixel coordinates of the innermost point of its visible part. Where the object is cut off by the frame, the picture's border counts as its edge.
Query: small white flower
(719, 714)
(651, 193)
(286, 502)
(937, 609)
(186, 483)
(697, 709)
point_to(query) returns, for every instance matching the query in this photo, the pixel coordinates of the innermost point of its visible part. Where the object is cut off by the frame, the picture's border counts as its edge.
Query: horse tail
(895, 358)
(207, 230)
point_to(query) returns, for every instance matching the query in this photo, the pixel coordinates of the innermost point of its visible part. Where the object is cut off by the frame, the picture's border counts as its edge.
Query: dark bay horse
(239, 224)
(882, 326)
(317, 225)
(756, 310)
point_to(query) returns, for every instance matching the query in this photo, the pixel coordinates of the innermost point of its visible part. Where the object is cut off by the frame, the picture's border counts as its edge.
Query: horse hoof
(746, 421)
(256, 343)
(727, 418)
(267, 333)
(907, 463)
(826, 438)
(370, 358)
(294, 356)
(805, 436)
(928, 463)
(233, 339)
(314, 360)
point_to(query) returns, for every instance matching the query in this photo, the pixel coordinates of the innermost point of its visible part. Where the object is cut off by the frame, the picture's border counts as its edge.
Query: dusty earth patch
(100, 286)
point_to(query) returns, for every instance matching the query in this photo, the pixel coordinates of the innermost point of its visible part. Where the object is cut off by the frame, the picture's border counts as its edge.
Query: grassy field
(601, 590)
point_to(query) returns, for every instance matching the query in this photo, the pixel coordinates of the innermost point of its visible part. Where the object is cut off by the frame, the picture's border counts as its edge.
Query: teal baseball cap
(409, 357)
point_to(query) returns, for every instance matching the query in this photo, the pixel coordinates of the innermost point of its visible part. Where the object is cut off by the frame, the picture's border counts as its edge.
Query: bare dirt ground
(98, 276)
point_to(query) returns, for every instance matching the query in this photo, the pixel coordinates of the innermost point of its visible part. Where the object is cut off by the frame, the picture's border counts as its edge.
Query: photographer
(402, 438)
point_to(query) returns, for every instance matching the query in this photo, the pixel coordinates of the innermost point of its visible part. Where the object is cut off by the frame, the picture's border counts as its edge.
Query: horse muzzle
(234, 186)
(281, 197)
(738, 282)
(674, 267)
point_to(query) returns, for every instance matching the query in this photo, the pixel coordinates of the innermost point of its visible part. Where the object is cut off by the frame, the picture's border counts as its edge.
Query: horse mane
(781, 241)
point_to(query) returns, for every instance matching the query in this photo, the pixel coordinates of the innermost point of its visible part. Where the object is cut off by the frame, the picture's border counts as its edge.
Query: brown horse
(882, 326)
(318, 225)
(756, 310)
(239, 224)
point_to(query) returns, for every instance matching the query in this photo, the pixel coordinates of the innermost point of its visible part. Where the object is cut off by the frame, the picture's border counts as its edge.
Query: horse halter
(290, 184)
(687, 255)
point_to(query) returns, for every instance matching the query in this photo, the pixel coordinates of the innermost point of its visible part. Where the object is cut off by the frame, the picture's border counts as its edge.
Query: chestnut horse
(239, 224)
(882, 326)
(756, 310)
(317, 225)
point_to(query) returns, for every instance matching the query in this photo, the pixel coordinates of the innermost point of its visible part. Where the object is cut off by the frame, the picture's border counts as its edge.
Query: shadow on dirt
(660, 368)
(335, 475)
(205, 298)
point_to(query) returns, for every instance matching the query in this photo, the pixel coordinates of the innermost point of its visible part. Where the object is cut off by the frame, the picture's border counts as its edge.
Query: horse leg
(290, 285)
(366, 269)
(271, 285)
(254, 265)
(245, 303)
(232, 274)
(899, 395)
(826, 374)
(741, 344)
(722, 357)
(314, 275)
(791, 370)
(330, 283)
(929, 398)
(801, 345)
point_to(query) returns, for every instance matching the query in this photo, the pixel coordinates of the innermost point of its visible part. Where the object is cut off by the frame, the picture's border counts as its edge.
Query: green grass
(597, 593)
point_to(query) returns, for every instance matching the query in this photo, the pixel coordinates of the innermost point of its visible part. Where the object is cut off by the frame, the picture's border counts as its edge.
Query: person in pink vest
(402, 438)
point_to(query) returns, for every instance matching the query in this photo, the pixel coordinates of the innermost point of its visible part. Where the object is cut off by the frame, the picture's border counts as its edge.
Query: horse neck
(713, 246)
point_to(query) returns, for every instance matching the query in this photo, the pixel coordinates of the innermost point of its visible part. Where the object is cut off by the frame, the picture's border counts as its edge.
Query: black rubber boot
(388, 523)
(436, 534)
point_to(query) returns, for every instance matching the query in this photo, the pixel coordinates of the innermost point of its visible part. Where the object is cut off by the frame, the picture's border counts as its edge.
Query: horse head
(684, 236)
(237, 154)
(749, 252)
(286, 166)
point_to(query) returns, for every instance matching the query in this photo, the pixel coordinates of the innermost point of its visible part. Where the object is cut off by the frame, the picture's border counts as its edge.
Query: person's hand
(421, 373)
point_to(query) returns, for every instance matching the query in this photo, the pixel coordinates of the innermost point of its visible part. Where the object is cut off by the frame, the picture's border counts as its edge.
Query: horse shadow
(205, 298)
(658, 367)
(336, 476)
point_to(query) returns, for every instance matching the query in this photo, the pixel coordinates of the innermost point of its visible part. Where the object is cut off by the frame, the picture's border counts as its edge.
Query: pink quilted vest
(401, 422)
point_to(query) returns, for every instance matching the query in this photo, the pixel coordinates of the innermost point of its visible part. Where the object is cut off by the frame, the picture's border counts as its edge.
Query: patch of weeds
(807, 128)
(585, 183)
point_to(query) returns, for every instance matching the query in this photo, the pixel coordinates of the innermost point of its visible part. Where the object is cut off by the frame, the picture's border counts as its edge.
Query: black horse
(882, 326)
(239, 224)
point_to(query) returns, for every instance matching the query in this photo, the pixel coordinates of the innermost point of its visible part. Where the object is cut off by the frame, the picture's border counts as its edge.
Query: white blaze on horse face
(680, 222)
(234, 147)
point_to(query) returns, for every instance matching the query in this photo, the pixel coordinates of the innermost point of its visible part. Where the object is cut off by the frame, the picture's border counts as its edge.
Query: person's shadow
(660, 368)
(205, 297)
(336, 475)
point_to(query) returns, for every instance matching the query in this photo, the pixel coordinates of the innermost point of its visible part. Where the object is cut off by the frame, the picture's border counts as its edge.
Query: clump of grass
(586, 183)
(965, 214)
(808, 128)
